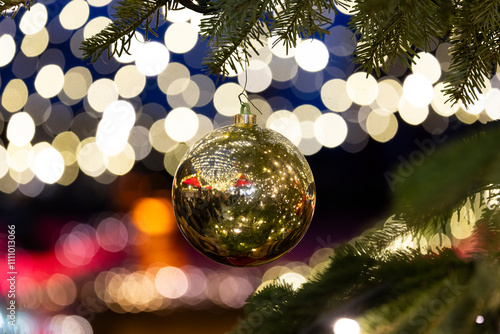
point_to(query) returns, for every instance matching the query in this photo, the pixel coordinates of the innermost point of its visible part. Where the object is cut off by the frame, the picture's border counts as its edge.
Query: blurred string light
(132, 288)
(118, 126)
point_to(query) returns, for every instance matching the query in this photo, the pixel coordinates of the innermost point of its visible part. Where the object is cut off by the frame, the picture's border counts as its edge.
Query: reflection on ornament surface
(243, 195)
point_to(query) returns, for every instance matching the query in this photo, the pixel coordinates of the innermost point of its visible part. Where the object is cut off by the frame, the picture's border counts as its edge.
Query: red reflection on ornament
(243, 181)
(192, 181)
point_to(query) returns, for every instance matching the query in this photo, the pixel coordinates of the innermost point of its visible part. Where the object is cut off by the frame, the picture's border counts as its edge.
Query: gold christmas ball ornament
(243, 195)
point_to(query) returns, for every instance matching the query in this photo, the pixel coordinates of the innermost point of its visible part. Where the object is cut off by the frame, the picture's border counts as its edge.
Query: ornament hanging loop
(245, 117)
(245, 108)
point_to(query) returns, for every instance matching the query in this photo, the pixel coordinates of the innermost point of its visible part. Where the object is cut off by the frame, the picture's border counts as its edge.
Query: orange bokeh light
(153, 216)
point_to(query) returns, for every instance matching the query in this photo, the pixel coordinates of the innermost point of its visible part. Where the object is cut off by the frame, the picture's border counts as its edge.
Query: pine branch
(302, 19)
(116, 37)
(475, 49)
(12, 7)
(394, 29)
(452, 174)
(232, 30)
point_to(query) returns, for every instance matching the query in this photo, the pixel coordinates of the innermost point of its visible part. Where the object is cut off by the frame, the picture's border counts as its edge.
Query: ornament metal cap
(245, 117)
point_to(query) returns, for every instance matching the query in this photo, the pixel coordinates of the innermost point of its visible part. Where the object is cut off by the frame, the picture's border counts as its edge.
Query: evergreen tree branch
(232, 30)
(428, 198)
(302, 19)
(475, 49)
(116, 37)
(12, 7)
(390, 30)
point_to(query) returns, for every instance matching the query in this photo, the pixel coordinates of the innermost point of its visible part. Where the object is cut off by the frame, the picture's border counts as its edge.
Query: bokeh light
(362, 88)
(418, 90)
(181, 124)
(312, 55)
(34, 20)
(151, 58)
(330, 129)
(8, 47)
(153, 216)
(346, 326)
(20, 129)
(112, 234)
(171, 282)
(74, 14)
(49, 81)
(48, 165)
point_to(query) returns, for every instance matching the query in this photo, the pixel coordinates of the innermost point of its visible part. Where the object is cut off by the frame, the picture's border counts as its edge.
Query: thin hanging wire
(243, 91)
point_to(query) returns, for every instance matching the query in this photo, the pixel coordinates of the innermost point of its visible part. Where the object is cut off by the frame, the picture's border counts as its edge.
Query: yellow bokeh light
(491, 105)
(294, 279)
(48, 165)
(21, 177)
(49, 81)
(7, 184)
(67, 144)
(18, 157)
(153, 216)
(101, 93)
(390, 129)
(188, 98)
(287, 124)
(174, 73)
(346, 326)
(390, 91)
(8, 47)
(476, 107)
(20, 129)
(418, 90)
(439, 242)
(427, 65)
(77, 82)
(90, 158)
(129, 81)
(180, 15)
(15, 95)
(152, 58)
(180, 37)
(61, 289)
(95, 25)
(34, 45)
(4, 163)
(307, 112)
(121, 163)
(463, 222)
(114, 128)
(173, 157)
(74, 14)
(257, 77)
(362, 88)
(412, 114)
(465, 117)
(99, 3)
(330, 130)
(135, 43)
(312, 55)
(334, 95)
(225, 99)
(34, 19)
(205, 126)
(181, 124)
(279, 49)
(159, 138)
(440, 102)
(70, 174)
